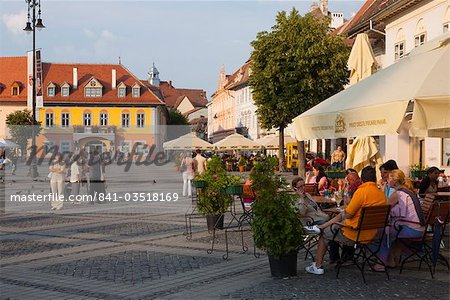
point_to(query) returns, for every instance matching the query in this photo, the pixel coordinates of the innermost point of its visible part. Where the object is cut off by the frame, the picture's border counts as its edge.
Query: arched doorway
(95, 144)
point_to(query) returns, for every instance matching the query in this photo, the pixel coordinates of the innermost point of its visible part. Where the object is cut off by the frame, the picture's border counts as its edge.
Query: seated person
(367, 194)
(405, 209)
(308, 211)
(429, 183)
(383, 185)
(248, 194)
(320, 178)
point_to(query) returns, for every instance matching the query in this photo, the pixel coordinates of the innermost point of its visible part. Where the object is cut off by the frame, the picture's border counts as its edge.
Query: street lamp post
(32, 25)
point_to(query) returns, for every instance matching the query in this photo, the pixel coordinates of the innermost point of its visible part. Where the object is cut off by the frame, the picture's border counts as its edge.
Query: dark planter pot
(295, 171)
(283, 266)
(214, 220)
(234, 190)
(200, 184)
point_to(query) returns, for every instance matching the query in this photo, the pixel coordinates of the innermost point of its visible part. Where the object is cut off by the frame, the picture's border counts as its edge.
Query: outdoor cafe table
(324, 202)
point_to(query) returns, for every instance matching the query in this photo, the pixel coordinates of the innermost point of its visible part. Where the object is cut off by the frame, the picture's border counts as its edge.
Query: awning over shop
(377, 105)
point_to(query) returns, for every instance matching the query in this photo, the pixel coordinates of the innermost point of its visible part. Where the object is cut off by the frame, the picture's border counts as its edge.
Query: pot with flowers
(275, 225)
(213, 200)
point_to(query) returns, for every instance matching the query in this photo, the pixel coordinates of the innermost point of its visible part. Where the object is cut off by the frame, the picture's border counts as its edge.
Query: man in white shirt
(199, 163)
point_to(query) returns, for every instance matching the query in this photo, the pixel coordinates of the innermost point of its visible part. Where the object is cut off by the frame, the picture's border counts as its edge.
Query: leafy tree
(294, 67)
(20, 127)
(176, 118)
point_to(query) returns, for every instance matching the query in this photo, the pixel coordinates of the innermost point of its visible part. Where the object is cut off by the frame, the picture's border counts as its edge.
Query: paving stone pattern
(12, 247)
(349, 286)
(37, 221)
(131, 229)
(131, 266)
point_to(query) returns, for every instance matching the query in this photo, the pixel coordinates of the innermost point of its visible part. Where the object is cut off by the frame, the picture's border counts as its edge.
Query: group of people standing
(394, 189)
(78, 170)
(190, 167)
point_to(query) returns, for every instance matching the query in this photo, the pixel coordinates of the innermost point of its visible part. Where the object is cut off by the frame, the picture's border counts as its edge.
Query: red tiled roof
(60, 73)
(173, 95)
(13, 69)
(240, 76)
(366, 12)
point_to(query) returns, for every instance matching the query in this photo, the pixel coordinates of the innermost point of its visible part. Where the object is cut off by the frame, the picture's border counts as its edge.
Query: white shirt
(74, 172)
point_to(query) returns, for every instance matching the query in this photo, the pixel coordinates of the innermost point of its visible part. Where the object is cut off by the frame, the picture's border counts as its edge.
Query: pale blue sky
(189, 41)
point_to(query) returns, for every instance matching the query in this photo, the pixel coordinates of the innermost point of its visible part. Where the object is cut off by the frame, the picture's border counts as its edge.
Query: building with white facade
(395, 27)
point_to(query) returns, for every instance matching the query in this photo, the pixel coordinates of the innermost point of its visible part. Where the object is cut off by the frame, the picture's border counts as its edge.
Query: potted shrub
(417, 171)
(213, 201)
(241, 164)
(275, 225)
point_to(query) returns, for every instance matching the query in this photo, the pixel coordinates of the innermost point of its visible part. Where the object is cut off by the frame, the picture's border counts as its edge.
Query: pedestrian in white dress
(58, 172)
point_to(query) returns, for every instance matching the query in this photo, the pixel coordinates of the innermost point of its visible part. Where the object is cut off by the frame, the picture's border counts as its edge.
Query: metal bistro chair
(437, 214)
(312, 189)
(247, 199)
(372, 218)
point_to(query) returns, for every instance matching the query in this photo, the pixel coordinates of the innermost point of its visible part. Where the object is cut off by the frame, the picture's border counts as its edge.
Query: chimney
(113, 85)
(170, 83)
(75, 78)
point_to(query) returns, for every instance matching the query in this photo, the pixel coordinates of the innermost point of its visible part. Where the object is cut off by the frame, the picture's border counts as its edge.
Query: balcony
(104, 132)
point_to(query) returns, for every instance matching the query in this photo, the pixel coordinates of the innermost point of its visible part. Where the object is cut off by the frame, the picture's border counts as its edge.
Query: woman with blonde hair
(406, 214)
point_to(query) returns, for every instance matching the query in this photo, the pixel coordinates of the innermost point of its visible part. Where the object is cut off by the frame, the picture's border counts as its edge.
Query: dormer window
(15, 91)
(65, 89)
(15, 88)
(121, 90)
(93, 89)
(136, 91)
(51, 89)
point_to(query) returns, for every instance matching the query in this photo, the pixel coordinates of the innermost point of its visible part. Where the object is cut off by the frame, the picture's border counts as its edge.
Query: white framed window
(103, 119)
(139, 147)
(65, 146)
(125, 146)
(140, 120)
(136, 92)
(125, 120)
(87, 119)
(51, 91)
(49, 146)
(420, 39)
(65, 119)
(65, 91)
(121, 92)
(399, 49)
(445, 27)
(93, 92)
(49, 120)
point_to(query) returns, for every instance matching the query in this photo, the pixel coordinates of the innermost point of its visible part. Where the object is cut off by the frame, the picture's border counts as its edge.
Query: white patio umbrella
(361, 61)
(237, 142)
(188, 142)
(8, 144)
(271, 141)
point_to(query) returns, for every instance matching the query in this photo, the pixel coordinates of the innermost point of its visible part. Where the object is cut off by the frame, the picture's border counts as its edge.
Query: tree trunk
(281, 150)
(301, 159)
